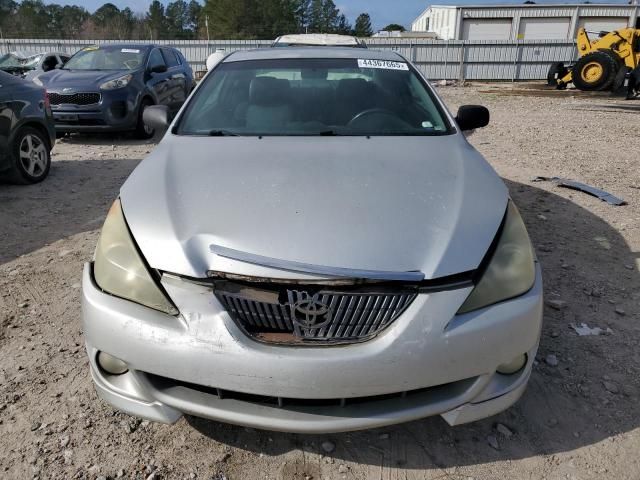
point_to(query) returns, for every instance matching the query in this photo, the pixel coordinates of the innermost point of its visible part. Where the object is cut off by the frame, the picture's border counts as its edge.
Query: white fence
(450, 60)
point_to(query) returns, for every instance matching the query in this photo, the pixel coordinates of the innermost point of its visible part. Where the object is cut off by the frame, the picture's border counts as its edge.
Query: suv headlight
(119, 82)
(511, 270)
(119, 268)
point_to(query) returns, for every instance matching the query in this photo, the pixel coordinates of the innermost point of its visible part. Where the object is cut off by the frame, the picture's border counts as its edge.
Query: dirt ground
(579, 418)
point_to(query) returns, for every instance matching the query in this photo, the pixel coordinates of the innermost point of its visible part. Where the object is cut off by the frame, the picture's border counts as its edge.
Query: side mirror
(156, 117)
(470, 117)
(158, 69)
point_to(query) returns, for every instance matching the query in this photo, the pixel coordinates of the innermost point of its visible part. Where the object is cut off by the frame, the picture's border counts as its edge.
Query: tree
(155, 21)
(394, 27)
(323, 16)
(32, 19)
(343, 27)
(7, 10)
(363, 26)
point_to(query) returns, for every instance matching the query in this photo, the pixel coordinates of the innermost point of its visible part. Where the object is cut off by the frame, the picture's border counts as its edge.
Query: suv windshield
(11, 60)
(106, 58)
(313, 97)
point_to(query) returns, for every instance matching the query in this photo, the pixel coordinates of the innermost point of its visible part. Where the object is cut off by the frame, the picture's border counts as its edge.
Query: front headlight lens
(119, 82)
(511, 271)
(120, 270)
(37, 81)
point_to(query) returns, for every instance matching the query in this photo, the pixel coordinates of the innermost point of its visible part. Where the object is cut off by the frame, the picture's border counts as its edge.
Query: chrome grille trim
(283, 316)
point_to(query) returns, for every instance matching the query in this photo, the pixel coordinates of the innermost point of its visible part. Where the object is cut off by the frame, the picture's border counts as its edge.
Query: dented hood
(428, 204)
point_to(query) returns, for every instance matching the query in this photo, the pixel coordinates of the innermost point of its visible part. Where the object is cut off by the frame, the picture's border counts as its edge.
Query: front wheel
(596, 71)
(144, 132)
(31, 157)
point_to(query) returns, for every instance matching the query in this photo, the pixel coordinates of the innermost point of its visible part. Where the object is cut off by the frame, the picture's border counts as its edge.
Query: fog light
(513, 366)
(111, 364)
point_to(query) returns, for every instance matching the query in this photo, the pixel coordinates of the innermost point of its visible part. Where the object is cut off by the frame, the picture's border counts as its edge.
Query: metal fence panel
(438, 60)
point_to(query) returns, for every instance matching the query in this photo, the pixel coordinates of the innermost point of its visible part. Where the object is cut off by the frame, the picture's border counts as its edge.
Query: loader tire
(556, 72)
(596, 71)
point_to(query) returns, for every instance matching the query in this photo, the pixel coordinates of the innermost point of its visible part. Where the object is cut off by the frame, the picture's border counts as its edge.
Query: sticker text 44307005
(383, 64)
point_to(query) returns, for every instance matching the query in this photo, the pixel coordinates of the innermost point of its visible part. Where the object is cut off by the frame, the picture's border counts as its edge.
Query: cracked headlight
(120, 270)
(511, 270)
(119, 82)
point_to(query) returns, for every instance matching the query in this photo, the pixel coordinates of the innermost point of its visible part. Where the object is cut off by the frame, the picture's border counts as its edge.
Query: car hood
(429, 204)
(78, 79)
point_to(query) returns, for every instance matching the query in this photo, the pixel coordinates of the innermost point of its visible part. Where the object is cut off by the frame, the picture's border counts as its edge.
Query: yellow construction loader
(603, 63)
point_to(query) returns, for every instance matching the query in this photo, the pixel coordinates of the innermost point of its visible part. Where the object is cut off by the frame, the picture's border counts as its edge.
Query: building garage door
(556, 28)
(486, 29)
(602, 24)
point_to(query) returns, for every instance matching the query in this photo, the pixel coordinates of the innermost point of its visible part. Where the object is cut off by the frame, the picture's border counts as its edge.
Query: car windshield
(313, 97)
(106, 58)
(26, 63)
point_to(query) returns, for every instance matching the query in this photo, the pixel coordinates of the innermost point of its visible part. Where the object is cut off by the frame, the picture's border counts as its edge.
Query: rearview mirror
(156, 117)
(470, 117)
(158, 69)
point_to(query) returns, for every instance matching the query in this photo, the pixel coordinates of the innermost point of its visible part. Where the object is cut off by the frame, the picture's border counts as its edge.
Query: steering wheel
(371, 111)
(131, 64)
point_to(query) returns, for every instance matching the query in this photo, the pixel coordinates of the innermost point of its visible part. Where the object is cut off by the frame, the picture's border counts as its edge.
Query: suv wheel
(31, 157)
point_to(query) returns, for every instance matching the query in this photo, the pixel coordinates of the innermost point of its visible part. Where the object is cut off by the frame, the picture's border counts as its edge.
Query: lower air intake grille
(300, 316)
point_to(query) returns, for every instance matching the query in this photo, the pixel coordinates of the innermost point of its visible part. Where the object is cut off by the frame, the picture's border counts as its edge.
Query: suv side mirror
(470, 117)
(156, 117)
(158, 69)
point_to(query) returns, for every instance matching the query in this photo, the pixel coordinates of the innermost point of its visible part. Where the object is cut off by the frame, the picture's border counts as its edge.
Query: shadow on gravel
(120, 139)
(74, 198)
(586, 263)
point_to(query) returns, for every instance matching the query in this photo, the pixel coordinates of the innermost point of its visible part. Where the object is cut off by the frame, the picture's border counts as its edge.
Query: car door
(158, 77)
(6, 117)
(177, 77)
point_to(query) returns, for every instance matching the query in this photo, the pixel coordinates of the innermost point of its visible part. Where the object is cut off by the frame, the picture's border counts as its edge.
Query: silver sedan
(313, 247)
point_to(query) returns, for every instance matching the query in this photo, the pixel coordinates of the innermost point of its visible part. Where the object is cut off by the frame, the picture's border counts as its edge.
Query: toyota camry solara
(313, 247)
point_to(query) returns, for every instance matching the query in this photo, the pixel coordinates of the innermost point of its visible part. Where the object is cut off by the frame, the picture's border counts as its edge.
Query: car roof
(313, 52)
(125, 45)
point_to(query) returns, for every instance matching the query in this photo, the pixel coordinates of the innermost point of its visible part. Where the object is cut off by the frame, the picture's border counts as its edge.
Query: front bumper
(116, 111)
(428, 362)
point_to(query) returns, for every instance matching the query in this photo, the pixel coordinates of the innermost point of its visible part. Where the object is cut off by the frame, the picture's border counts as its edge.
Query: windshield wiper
(223, 133)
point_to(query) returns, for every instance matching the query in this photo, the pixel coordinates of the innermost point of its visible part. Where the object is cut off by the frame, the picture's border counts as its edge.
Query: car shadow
(587, 264)
(120, 139)
(74, 198)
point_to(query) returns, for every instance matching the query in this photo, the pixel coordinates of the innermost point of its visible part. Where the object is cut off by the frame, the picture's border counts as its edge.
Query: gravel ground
(578, 419)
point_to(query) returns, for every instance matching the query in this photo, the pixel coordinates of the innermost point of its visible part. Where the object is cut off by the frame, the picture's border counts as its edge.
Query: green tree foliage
(394, 27)
(363, 26)
(180, 19)
(156, 22)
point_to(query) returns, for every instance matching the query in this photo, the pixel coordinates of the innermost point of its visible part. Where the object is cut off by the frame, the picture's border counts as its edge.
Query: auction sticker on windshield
(383, 64)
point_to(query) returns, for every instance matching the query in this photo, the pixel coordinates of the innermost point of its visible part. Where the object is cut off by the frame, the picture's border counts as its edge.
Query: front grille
(74, 98)
(303, 316)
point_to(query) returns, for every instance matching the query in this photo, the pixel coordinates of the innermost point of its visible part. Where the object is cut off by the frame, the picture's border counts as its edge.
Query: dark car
(107, 87)
(27, 132)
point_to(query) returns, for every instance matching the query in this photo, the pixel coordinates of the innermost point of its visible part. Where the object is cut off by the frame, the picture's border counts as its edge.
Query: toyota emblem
(309, 313)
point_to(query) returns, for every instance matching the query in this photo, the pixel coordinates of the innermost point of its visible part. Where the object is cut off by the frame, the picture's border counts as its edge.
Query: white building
(524, 21)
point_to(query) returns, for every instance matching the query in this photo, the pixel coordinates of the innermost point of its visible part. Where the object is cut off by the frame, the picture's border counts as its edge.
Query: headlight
(119, 82)
(37, 81)
(120, 270)
(511, 271)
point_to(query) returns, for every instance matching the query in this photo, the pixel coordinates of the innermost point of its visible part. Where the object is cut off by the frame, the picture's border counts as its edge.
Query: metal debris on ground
(584, 330)
(583, 187)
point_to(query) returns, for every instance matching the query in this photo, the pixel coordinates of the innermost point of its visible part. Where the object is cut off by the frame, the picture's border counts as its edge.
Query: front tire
(30, 157)
(144, 132)
(596, 71)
